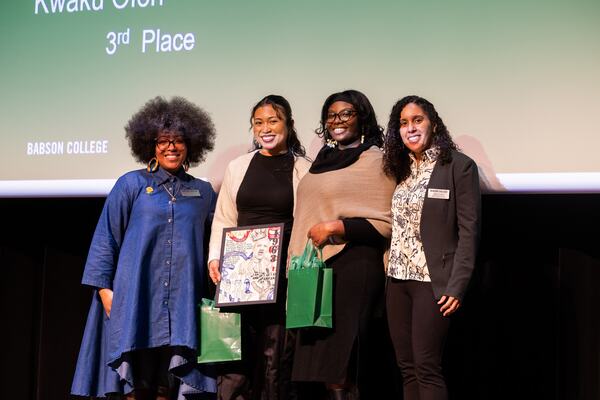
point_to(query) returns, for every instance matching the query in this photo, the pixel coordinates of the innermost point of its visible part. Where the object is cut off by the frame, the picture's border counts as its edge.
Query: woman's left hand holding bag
(321, 233)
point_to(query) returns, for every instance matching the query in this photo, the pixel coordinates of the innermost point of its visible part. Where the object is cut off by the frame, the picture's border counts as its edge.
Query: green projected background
(517, 82)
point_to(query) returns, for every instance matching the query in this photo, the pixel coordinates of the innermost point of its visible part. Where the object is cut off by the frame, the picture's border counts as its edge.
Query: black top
(359, 230)
(266, 194)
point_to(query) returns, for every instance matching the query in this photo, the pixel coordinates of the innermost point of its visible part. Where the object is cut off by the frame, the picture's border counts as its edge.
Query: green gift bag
(310, 291)
(220, 334)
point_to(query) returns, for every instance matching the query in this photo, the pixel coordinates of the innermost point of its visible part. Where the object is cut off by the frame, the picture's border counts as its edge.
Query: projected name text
(72, 6)
(70, 147)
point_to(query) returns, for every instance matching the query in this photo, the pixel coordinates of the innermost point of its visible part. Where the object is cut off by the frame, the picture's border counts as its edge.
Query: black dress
(265, 196)
(337, 355)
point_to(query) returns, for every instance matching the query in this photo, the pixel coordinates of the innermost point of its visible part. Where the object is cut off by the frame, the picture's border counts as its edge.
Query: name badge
(443, 194)
(190, 192)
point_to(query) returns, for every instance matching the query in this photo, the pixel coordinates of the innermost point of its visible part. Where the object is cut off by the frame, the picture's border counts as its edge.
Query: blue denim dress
(149, 249)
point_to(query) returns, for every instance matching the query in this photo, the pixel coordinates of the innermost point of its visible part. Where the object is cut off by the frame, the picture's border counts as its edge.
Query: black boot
(337, 394)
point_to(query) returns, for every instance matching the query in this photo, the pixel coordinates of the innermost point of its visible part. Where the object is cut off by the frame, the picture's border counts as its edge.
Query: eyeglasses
(343, 115)
(163, 143)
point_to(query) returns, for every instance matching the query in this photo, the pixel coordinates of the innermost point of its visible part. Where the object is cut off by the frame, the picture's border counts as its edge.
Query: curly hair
(396, 162)
(177, 116)
(284, 111)
(367, 120)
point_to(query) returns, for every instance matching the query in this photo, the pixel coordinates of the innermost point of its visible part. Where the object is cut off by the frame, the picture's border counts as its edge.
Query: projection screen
(516, 81)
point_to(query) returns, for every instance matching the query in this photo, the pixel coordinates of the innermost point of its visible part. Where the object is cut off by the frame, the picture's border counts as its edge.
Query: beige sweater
(361, 190)
(226, 213)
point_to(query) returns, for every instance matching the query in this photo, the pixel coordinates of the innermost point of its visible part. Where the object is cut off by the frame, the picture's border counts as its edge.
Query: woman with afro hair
(435, 229)
(147, 264)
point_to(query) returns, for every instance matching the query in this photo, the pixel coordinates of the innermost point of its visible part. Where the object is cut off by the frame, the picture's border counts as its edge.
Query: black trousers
(418, 331)
(264, 373)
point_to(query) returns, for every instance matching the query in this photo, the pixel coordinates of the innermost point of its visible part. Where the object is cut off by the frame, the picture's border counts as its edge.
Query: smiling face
(342, 124)
(171, 151)
(416, 130)
(270, 131)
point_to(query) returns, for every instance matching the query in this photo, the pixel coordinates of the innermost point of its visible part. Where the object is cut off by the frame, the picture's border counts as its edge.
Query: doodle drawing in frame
(250, 257)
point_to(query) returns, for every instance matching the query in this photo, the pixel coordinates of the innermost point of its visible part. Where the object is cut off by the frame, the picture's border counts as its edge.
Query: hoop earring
(152, 165)
(186, 165)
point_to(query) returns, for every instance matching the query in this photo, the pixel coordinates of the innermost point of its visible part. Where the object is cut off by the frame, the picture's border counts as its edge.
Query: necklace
(170, 194)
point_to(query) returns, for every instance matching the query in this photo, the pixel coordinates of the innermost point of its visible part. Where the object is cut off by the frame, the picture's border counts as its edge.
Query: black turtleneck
(266, 194)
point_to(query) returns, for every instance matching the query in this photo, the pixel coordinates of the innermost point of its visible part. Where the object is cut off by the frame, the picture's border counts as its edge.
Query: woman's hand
(450, 305)
(106, 296)
(321, 232)
(213, 271)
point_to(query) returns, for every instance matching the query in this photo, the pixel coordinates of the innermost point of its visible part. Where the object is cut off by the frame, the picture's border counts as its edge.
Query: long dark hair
(367, 120)
(396, 162)
(284, 110)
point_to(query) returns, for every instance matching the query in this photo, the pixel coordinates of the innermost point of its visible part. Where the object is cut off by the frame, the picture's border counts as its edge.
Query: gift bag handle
(312, 251)
(309, 251)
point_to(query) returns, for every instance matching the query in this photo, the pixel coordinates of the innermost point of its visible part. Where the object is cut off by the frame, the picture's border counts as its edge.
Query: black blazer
(450, 226)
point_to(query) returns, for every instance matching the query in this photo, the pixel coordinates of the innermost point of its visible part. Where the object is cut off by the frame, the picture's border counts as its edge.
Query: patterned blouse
(407, 258)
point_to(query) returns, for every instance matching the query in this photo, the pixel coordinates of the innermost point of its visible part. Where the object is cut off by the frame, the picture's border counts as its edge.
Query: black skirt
(330, 355)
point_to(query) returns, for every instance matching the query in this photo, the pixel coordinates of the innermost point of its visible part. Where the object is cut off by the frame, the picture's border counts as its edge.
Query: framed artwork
(250, 257)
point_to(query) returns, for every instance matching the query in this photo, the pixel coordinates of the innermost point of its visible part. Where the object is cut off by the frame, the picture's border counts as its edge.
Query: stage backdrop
(516, 81)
